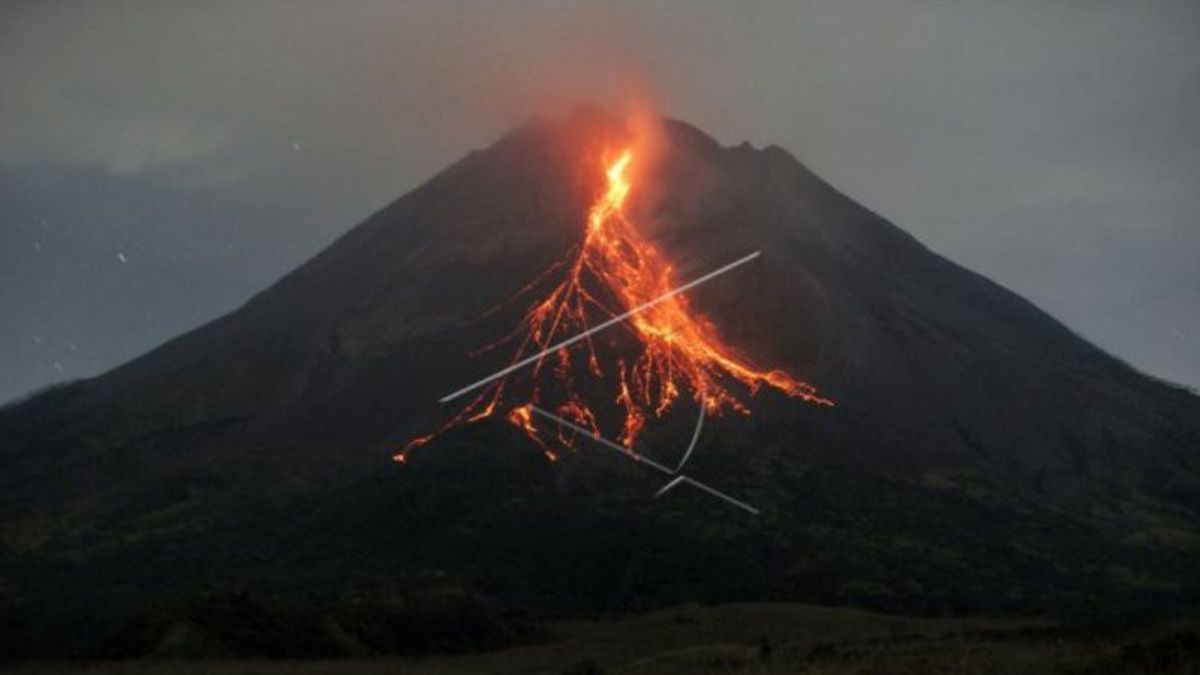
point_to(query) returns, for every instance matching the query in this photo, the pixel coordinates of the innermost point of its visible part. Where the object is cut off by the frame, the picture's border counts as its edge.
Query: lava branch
(681, 354)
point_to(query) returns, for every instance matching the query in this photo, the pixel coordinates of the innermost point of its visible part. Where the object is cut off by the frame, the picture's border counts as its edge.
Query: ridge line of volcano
(610, 322)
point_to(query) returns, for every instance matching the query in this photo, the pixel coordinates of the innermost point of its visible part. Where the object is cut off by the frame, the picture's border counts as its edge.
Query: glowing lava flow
(613, 270)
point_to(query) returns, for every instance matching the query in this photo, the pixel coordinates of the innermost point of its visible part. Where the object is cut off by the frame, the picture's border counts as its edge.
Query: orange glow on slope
(681, 353)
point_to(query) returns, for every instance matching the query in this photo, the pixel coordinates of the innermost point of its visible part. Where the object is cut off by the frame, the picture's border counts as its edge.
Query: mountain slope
(980, 456)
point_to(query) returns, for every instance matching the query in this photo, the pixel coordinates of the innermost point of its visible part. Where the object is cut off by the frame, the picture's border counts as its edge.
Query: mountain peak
(955, 399)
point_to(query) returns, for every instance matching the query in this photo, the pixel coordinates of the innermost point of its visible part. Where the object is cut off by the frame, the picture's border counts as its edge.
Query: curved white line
(716, 493)
(695, 438)
(678, 480)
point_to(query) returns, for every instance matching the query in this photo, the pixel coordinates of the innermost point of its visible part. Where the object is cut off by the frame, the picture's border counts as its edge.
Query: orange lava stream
(681, 352)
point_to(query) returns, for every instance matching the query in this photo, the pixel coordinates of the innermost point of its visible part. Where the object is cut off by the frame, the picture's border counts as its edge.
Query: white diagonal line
(601, 326)
(645, 460)
(663, 490)
(712, 491)
(603, 441)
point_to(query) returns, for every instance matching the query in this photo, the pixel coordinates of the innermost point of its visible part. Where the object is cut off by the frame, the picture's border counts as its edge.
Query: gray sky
(161, 162)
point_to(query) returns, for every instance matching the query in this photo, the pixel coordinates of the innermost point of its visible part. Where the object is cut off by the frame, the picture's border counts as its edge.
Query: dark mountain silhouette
(981, 456)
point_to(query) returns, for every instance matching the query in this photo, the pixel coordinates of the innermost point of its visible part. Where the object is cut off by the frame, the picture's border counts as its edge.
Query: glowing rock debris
(678, 354)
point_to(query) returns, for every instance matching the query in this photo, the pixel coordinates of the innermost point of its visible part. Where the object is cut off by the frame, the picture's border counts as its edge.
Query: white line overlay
(712, 491)
(695, 437)
(680, 479)
(603, 441)
(601, 326)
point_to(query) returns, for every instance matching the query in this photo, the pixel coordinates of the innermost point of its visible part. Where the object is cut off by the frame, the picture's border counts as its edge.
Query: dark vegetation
(758, 638)
(230, 493)
(479, 561)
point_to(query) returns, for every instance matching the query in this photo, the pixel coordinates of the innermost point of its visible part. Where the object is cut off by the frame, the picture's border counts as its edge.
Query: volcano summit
(980, 457)
(680, 352)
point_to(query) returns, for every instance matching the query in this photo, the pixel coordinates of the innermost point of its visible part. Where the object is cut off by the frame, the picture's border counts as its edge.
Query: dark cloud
(162, 162)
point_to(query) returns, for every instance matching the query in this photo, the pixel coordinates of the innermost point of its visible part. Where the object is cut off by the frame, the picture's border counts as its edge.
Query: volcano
(915, 437)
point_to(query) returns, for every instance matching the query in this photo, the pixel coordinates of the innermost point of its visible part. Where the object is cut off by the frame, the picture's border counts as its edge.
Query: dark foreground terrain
(232, 494)
(761, 638)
